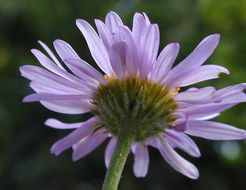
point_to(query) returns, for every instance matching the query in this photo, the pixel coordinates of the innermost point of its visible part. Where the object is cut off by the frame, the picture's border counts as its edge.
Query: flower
(139, 93)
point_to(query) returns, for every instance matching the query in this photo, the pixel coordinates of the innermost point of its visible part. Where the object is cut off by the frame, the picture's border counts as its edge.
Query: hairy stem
(117, 162)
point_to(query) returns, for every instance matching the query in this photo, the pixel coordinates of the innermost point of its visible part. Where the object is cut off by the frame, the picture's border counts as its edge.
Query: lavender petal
(97, 49)
(88, 144)
(214, 130)
(196, 58)
(164, 62)
(149, 46)
(177, 162)
(117, 58)
(141, 160)
(68, 141)
(182, 141)
(54, 123)
(109, 150)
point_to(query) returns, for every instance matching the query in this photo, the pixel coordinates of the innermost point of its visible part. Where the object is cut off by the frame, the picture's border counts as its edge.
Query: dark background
(25, 161)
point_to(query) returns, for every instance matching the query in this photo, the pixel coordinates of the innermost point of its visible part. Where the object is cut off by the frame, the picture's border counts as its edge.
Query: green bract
(142, 108)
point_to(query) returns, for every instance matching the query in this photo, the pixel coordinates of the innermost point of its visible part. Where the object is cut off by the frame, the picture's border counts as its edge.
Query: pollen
(140, 107)
(175, 91)
(106, 77)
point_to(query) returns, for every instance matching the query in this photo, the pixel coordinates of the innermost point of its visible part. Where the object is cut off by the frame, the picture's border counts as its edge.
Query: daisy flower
(137, 97)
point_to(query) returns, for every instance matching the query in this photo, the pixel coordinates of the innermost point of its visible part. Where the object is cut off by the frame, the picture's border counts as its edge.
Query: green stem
(117, 162)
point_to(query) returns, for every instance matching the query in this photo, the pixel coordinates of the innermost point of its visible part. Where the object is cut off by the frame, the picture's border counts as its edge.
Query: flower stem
(117, 162)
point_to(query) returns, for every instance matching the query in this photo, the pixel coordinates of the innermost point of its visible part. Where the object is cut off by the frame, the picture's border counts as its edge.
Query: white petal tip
(74, 158)
(197, 155)
(49, 121)
(112, 12)
(173, 45)
(222, 70)
(176, 44)
(195, 176)
(29, 98)
(244, 134)
(137, 13)
(213, 38)
(194, 173)
(56, 154)
(140, 176)
(217, 36)
(33, 50)
(97, 20)
(25, 100)
(80, 21)
(41, 43)
(54, 150)
(227, 72)
(55, 42)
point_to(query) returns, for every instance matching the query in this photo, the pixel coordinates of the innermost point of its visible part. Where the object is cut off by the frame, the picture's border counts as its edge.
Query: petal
(146, 18)
(200, 110)
(118, 59)
(43, 88)
(200, 54)
(54, 123)
(181, 117)
(198, 95)
(78, 67)
(180, 125)
(112, 22)
(79, 71)
(164, 62)
(235, 98)
(88, 144)
(68, 141)
(141, 161)
(212, 102)
(47, 63)
(177, 162)
(53, 57)
(104, 34)
(48, 96)
(199, 74)
(64, 50)
(228, 91)
(42, 76)
(138, 26)
(68, 106)
(214, 130)
(205, 109)
(205, 117)
(155, 142)
(97, 49)
(85, 71)
(182, 141)
(149, 45)
(110, 150)
(131, 55)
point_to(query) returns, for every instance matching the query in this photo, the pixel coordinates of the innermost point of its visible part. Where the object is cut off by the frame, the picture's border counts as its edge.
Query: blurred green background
(25, 161)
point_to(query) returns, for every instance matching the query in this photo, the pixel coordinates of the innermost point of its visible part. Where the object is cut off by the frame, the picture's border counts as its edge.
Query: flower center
(142, 108)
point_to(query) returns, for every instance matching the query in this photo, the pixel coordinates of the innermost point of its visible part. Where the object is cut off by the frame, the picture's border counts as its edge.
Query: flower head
(139, 93)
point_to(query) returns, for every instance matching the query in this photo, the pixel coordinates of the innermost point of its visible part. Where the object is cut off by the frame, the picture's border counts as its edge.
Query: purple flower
(127, 56)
